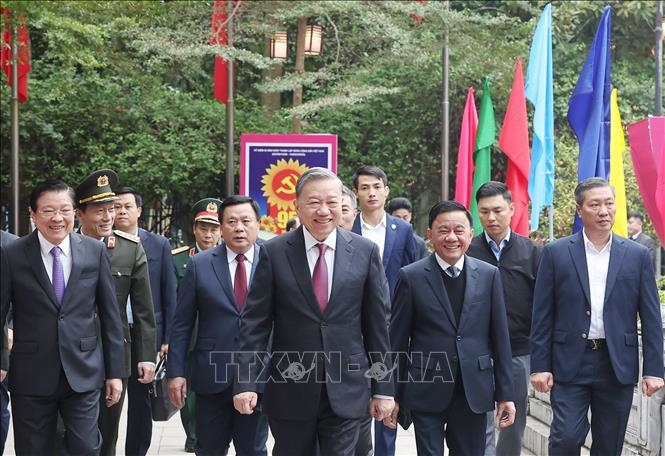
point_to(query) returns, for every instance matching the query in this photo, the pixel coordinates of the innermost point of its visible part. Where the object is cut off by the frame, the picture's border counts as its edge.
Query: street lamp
(279, 46)
(313, 39)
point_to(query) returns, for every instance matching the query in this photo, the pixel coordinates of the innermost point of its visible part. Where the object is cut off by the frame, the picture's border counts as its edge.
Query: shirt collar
(444, 265)
(231, 255)
(364, 224)
(589, 245)
(310, 241)
(504, 241)
(46, 246)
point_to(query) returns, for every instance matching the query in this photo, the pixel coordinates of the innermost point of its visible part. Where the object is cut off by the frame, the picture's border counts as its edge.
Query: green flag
(482, 155)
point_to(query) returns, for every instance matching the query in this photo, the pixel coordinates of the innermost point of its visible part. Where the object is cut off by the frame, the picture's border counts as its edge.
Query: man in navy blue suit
(397, 247)
(214, 288)
(128, 208)
(590, 290)
(450, 329)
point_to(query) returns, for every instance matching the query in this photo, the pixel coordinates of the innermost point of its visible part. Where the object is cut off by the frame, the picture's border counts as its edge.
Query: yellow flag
(617, 148)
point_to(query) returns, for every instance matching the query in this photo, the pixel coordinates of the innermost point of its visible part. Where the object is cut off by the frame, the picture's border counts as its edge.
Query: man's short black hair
(50, 186)
(125, 190)
(494, 188)
(234, 200)
(399, 203)
(369, 170)
(448, 206)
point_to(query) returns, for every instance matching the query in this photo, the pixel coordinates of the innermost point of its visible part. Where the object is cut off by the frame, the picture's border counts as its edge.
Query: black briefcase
(162, 408)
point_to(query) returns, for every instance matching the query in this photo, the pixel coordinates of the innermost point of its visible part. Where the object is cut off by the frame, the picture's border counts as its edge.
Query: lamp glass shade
(279, 48)
(313, 40)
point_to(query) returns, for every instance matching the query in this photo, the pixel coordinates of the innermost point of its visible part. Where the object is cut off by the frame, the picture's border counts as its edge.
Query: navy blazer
(206, 292)
(562, 310)
(434, 348)
(162, 281)
(399, 249)
(82, 337)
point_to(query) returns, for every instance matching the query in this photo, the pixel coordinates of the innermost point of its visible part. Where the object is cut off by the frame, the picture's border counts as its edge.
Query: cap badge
(102, 181)
(212, 207)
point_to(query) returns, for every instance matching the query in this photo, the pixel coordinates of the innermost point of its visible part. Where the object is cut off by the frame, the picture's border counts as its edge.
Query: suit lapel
(78, 253)
(220, 266)
(34, 252)
(343, 258)
(356, 226)
(617, 253)
(469, 290)
(578, 256)
(391, 236)
(436, 283)
(297, 258)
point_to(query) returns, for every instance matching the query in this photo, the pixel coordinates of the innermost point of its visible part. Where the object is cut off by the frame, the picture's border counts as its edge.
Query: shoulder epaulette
(129, 237)
(192, 251)
(179, 250)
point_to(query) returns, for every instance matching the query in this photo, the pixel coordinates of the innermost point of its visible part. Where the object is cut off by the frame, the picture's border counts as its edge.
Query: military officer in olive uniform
(207, 234)
(129, 267)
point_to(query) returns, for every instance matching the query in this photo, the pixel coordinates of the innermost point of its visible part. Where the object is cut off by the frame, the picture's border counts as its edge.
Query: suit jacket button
(459, 337)
(61, 317)
(584, 336)
(588, 312)
(324, 324)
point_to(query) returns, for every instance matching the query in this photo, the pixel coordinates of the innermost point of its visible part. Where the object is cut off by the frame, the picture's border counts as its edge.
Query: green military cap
(207, 210)
(97, 187)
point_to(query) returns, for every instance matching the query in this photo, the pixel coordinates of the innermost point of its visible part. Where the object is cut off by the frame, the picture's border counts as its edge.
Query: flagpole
(445, 132)
(230, 174)
(14, 206)
(659, 59)
(550, 211)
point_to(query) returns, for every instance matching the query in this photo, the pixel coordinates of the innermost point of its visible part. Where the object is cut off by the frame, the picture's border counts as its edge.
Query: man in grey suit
(322, 292)
(60, 285)
(450, 329)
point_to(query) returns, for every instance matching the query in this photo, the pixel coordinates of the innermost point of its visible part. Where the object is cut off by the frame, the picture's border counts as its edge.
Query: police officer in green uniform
(207, 234)
(129, 267)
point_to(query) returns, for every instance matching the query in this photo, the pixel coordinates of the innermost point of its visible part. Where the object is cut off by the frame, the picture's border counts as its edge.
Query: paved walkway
(168, 439)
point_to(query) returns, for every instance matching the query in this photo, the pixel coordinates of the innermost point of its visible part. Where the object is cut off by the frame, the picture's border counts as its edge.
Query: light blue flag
(589, 107)
(540, 92)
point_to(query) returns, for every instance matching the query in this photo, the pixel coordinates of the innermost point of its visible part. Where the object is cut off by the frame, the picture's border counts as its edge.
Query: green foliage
(128, 85)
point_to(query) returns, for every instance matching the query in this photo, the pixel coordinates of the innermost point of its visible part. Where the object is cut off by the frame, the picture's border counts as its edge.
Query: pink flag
(514, 142)
(647, 149)
(467, 143)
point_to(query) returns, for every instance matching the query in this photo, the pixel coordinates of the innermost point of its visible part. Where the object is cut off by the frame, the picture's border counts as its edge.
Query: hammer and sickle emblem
(288, 185)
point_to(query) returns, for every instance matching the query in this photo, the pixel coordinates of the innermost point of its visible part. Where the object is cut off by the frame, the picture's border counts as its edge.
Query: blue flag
(540, 92)
(589, 107)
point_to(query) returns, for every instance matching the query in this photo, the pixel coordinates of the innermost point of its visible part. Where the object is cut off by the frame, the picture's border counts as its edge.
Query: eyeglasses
(49, 213)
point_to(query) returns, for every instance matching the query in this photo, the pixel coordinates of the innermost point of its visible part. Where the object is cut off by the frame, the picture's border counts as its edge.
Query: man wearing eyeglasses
(61, 289)
(129, 268)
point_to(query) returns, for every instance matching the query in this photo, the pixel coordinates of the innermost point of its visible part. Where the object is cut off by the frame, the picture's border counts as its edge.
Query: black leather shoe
(190, 446)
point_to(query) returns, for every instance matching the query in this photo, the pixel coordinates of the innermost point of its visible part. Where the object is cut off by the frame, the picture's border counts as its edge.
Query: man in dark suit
(207, 234)
(128, 208)
(214, 291)
(591, 288)
(517, 259)
(397, 248)
(450, 329)
(5, 238)
(60, 287)
(401, 207)
(635, 223)
(322, 293)
(129, 268)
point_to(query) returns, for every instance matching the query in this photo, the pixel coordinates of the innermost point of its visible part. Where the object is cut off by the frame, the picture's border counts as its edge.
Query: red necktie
(240, 282)
(320, 278)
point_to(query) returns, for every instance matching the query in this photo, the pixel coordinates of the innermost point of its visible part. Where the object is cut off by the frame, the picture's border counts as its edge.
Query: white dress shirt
(65, 257)
(312, 252)
(598, 262)
(233, 263)
(444, 265)
(376, 234)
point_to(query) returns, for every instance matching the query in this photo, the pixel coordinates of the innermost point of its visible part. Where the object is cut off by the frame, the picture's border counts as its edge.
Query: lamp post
(309, 42)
